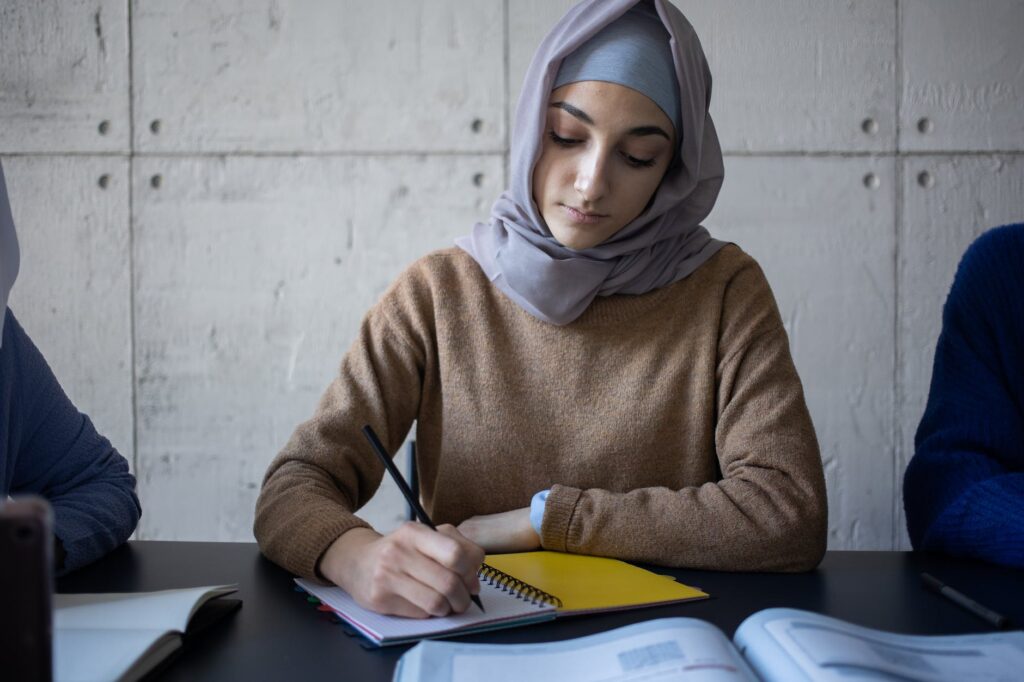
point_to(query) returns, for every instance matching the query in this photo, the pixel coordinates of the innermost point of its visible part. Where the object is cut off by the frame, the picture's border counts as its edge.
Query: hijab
(633, 51)
(9, 255)
(662, 245)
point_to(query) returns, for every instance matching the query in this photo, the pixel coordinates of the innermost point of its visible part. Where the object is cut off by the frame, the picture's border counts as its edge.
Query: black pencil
(420, 512)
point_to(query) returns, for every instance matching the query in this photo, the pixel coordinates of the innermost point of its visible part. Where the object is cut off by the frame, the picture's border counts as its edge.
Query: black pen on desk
(997, 620)
(421, 513)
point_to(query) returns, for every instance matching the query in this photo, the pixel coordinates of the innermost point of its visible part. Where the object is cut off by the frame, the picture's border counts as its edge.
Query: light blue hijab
(9, 255)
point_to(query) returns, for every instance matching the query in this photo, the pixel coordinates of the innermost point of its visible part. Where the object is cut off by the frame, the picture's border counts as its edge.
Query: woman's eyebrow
(640, 131)
(581, 115)
(649, 130)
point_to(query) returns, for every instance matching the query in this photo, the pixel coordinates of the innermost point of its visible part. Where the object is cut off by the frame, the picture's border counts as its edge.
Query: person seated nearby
(964, 489)
(48, 447)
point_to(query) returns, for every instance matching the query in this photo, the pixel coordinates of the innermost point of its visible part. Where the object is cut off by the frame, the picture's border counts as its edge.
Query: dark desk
(278, 635)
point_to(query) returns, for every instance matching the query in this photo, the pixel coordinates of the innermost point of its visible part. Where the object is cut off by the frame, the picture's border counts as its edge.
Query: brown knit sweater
(670, 427)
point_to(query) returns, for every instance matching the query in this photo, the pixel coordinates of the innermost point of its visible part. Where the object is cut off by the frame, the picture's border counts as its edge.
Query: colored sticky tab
(312, 600)
(325, 607)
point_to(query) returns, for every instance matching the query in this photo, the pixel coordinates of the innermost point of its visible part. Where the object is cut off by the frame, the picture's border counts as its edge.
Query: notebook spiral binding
(521, 589)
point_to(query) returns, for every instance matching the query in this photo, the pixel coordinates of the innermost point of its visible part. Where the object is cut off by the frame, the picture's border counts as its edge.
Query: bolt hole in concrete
(925, 179)
(156, 181)
(869, 126)
(104, 181)
(154, 126)
(871, 181)
(925, 125)
(477, 125)
(103, 127)
(478, 179)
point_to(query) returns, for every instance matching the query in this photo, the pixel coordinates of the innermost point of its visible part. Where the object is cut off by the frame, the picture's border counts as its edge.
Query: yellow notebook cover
(587, 584)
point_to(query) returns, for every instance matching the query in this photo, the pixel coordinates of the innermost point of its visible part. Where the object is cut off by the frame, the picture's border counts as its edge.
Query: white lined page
(502, 607)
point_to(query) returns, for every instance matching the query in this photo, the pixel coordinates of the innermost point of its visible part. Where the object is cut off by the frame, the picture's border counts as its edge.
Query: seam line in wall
(508, 95)
(131, 247)
(897, 387)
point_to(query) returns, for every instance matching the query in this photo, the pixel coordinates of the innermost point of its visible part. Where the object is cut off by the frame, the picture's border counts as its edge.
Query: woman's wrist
(338, 561)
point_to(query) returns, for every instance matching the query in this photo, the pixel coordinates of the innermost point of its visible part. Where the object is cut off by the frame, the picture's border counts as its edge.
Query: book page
(830, 649)
(96, 654)
(163, 610)
(501, 608)
(676, 649)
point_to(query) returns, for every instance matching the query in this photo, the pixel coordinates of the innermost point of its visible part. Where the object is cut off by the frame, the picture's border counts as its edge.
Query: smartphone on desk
(26, 586)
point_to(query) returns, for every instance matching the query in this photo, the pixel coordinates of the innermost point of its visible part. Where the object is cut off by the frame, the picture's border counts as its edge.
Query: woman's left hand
(509, 531)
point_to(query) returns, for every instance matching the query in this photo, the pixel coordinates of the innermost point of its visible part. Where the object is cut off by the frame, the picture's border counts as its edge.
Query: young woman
(588, 372)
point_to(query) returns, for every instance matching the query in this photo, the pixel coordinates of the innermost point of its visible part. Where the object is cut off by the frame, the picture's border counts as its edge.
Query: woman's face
(606, 148)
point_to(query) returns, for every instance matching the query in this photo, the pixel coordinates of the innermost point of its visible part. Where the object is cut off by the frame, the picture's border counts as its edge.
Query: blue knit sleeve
(54, 451)
(964, 488)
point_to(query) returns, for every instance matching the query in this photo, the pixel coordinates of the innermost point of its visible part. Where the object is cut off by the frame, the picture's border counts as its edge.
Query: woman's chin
(574, 239)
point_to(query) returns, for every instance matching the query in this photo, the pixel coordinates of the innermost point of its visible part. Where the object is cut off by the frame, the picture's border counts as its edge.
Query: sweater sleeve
(59, 455)
(964, 488)
(327, 470)
(768, 510)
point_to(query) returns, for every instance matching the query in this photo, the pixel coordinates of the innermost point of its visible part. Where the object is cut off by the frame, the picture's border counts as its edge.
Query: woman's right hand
(414, 572)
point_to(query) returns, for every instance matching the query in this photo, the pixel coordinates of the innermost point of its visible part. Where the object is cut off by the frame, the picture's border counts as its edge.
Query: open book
(123, 636)
(518, 589)
(774, 645)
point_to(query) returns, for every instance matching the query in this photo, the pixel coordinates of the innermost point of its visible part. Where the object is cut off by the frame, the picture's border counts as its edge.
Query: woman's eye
(638, 163)
(562, 141)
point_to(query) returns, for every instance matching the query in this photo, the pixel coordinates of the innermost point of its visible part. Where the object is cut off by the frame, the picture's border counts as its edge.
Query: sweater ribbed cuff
(558, 512)
(301, 551)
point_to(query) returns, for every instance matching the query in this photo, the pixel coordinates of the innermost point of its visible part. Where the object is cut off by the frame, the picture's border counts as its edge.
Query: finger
(470, 555)
(393, 599)
(407, 558)
(427, 598)
(438, 580)
(474, 557)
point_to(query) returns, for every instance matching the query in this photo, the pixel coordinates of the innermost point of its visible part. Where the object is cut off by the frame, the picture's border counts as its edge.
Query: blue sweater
(49, 448)
(964, 489)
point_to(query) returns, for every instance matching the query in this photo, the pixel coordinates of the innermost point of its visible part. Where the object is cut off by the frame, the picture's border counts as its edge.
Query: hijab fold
(662, 245)
(9, 254)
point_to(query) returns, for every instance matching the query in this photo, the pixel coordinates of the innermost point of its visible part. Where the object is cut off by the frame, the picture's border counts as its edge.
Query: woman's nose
(592, 178)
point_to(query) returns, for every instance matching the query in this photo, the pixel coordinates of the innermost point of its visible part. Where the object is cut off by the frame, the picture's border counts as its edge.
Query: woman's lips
(578, 216)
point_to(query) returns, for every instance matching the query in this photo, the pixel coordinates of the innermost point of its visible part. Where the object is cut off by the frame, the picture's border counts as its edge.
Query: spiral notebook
(504, 608)
(519, 589)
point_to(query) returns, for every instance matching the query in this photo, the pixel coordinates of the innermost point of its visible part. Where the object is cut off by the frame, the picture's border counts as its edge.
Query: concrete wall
(209, 195)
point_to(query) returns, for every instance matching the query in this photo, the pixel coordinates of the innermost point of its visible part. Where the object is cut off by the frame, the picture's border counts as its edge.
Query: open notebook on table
(124, 636)
(518, 589)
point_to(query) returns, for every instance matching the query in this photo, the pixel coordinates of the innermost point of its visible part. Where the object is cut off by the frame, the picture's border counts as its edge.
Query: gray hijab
(9, 256)
(662, 245)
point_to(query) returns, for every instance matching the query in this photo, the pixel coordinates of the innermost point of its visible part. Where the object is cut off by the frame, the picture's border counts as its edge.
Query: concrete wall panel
(963, 83)
(64, 76)
(253, 276)
(318, 75)
(801, 75)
